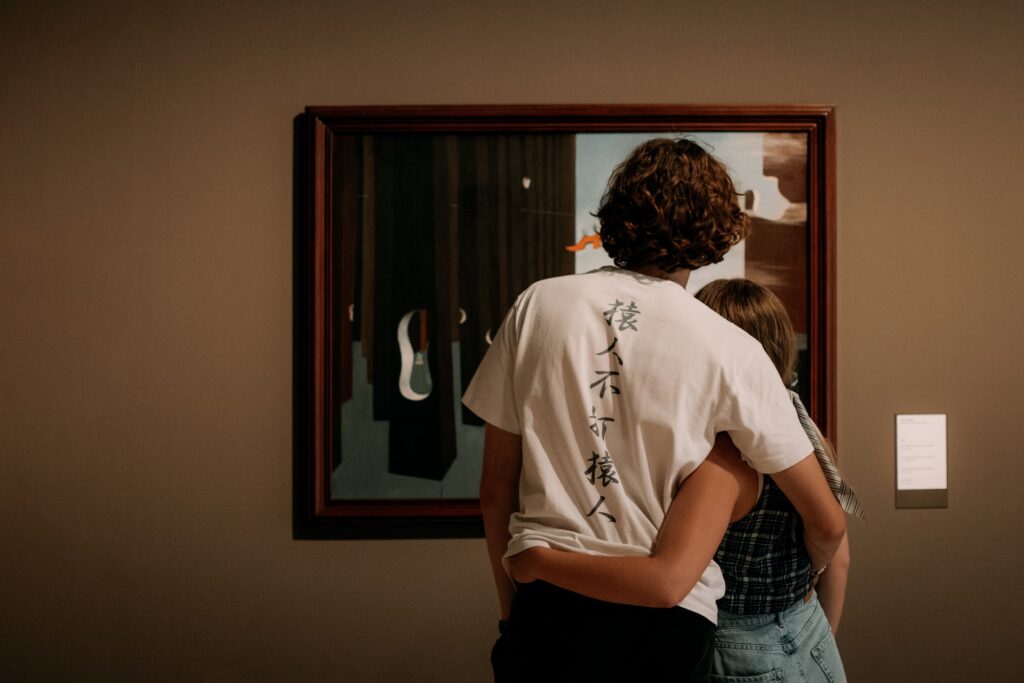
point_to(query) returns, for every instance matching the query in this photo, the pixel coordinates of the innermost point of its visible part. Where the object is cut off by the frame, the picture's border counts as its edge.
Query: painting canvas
(425, 237)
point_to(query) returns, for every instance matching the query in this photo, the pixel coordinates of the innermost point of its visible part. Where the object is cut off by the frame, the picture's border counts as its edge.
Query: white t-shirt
(618, 383)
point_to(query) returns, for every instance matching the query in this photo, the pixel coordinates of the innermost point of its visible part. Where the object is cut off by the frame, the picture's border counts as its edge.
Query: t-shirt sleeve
(491, 392)
(758, 414)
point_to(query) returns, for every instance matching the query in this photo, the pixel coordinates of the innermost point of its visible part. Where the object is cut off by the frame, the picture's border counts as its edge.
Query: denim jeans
(793, 645)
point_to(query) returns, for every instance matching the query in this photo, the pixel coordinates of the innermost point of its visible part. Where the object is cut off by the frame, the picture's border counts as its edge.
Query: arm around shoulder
(824, 520)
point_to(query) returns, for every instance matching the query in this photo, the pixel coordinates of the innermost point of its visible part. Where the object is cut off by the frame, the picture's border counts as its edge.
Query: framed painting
(416, 227)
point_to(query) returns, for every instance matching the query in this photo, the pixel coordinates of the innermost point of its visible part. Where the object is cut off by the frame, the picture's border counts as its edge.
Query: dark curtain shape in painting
(412, 236)
(347, 216)
(442, 232)
(517, 197)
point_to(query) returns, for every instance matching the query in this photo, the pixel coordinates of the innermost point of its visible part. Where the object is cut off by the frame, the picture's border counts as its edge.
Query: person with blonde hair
(779, 612)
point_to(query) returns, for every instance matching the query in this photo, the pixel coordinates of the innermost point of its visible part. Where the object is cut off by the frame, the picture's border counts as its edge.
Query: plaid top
(763, 558)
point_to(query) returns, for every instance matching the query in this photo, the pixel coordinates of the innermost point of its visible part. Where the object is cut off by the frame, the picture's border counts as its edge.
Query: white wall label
(921, 460)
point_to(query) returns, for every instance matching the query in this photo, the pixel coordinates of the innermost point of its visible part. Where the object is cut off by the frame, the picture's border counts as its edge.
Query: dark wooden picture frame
(323, 283)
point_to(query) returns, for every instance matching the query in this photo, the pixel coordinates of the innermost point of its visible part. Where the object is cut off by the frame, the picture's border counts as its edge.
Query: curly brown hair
(670, 204)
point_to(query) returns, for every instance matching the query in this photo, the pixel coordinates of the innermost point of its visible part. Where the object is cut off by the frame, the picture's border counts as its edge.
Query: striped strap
(844, 494)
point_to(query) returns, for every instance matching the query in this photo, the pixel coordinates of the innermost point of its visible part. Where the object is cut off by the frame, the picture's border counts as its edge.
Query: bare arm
(824, 521)
(832, 584)
(499, 491)
(693, 527)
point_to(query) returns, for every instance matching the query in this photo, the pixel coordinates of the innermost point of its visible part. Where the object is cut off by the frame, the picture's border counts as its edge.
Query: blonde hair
(760, 313)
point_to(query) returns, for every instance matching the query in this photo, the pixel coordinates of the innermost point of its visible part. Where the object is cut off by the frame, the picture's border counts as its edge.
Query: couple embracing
(630, 426)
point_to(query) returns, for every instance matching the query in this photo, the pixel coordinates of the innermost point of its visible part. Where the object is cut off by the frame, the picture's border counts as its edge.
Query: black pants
(554, 634)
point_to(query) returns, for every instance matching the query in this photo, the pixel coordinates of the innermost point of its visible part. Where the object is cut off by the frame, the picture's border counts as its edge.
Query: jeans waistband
(799, 609)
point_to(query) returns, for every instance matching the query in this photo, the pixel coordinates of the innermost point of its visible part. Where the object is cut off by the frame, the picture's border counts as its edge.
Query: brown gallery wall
(145, 285)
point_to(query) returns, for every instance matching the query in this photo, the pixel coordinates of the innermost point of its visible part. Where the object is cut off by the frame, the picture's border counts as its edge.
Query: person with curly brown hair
(670, 209)
(603, 395)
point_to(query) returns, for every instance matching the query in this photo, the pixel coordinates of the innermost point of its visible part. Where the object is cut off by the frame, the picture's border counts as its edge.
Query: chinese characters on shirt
(600, 471)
